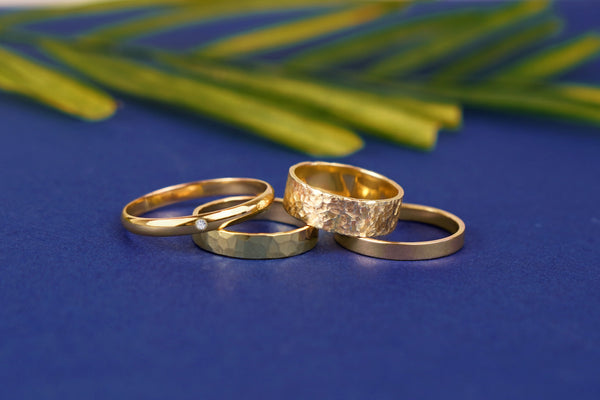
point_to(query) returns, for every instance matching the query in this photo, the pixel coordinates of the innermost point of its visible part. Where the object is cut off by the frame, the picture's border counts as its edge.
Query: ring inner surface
(192, 191)
(346, 181)
(430, 218)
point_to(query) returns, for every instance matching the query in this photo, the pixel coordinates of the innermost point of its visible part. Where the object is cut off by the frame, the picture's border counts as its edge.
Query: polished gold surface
(342, 198)
(413, 250)
(230, 243)
(131, 216)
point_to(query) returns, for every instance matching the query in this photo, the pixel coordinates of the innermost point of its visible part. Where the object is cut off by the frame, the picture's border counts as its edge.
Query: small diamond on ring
(201, 224)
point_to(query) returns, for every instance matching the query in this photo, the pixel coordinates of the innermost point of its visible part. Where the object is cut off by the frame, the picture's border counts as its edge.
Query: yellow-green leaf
(365, 111)
(362, 44)
(422, 56)
(553, 61)
(194, 13)
(13, 18)
(497, 50)
(294, 32)
(554, 101)
(446, 114)
(50, 87)
(268, 119)
(584, 93)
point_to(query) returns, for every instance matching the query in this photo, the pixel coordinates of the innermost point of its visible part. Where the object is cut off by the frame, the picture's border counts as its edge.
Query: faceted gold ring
(413, 250)
(131, 216)
(342, 198)
(230, 243)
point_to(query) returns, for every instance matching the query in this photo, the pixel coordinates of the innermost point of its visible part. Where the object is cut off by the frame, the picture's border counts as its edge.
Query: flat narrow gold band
(342, 198)
(413, 250)
(186, 225)
(256, 245)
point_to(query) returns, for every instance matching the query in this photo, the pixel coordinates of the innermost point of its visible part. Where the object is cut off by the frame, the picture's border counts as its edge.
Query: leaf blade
(554, 60)
(20, 17)
(356, 108)
(549, 100)
(271, 121)
(294, 32)
(584, 93)
(498, 50)
(410, 61)
(362, 44)
(52, 88)
(190, 13)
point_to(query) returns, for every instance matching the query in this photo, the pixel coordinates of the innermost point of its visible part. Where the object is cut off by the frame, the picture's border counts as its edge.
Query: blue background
(88, 310)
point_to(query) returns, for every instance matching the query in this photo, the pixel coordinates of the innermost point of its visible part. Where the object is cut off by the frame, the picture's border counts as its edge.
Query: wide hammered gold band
(408, 251)
(343, 199)
(186, 225)
(230, 243)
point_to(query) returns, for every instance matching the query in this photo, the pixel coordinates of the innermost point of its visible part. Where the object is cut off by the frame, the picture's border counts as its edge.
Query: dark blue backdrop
(88, 310)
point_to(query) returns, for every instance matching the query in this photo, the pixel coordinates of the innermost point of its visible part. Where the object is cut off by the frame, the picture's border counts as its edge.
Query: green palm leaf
(359, 109)
(498, 50)
(569, 102)
(290, 102)
(14, 18)
(582, 93)
(275, 122)
(50, 87)
(361, 44)
(419, 57)
(194, 12)
(553, 61)
(295, 32)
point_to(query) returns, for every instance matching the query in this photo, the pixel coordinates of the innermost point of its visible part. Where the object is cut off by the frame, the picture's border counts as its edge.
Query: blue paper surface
(88, 310)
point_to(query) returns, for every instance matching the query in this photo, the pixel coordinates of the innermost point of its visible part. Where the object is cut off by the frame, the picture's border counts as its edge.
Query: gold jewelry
(344, 199)
(413, 250)
(256, 245)
(187, 225)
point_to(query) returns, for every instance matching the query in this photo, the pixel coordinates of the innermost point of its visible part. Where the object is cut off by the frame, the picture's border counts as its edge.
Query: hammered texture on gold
(334, 213)
(257, 246)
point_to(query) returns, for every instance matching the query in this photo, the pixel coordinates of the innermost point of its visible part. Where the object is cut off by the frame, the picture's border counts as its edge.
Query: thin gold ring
(230, 243)
(413, 250)
(342, 198)
(186, 225)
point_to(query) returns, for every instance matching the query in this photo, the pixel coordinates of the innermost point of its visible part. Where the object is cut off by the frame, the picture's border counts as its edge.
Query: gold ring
(344, 199)
(413, 250)
(257, 245)
(190, 224)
